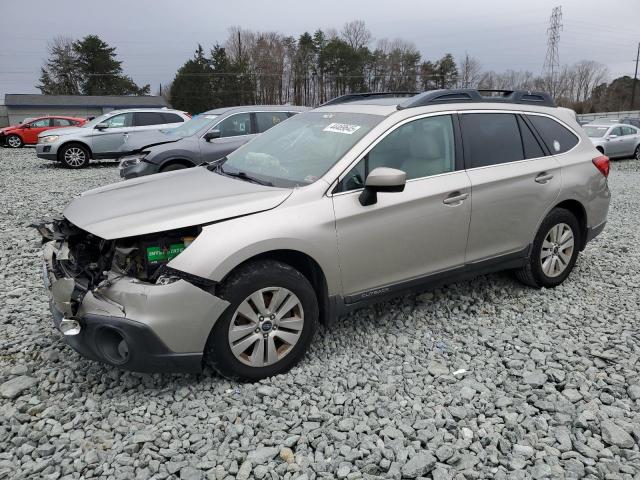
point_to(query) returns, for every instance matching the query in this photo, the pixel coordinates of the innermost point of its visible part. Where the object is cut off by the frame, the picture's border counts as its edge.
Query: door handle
(455, 198)
(544, 177)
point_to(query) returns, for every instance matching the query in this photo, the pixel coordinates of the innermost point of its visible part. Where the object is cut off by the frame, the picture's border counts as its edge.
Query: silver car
(615, 140)
(105, 136)
(235, 264)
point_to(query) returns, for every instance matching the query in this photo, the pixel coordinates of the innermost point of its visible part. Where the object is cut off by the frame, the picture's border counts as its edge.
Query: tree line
(252, 67)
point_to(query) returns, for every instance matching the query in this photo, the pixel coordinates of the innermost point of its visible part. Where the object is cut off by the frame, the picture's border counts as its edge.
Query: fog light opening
(113, 346)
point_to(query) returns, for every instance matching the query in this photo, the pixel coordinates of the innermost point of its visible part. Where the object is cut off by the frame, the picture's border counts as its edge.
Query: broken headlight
(131, 160)
(142, 257)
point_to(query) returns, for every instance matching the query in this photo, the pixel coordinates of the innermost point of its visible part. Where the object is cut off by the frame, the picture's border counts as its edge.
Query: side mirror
(101, 126)
(382, 179)
(212, 135)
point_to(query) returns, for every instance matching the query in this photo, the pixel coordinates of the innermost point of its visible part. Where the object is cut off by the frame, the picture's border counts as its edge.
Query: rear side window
(266, 120)
(628, 131)
(557, 138)
(61, 122)
(171, 118)
(143, 119)
(532, 148)
(490, 139)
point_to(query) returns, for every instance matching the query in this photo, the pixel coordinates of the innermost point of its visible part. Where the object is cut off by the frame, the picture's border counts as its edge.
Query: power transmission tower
(551, 67)
(635, 80)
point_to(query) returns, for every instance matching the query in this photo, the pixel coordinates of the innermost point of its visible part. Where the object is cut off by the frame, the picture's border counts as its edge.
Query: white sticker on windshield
(556, 145)
(341, 128)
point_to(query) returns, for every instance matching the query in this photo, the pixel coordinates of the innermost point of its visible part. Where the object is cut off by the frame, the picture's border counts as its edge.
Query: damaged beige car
(235, 263)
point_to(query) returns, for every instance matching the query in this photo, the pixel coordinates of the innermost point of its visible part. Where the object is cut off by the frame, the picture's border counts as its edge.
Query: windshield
(595, 131)
(301, 149)
(193, 126)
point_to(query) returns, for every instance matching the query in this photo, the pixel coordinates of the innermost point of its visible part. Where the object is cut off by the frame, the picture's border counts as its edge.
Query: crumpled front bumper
(165, 327)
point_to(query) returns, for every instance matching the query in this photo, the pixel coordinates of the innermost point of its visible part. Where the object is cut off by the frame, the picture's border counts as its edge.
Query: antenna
(551, 67)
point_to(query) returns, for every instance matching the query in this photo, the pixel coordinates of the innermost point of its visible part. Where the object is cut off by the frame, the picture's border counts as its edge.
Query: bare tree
(60, 75)
(356, 34)
(470, 72)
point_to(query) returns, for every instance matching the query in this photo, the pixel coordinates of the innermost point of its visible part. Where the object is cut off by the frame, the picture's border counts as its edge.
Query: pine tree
(100, 70)
(192, 88)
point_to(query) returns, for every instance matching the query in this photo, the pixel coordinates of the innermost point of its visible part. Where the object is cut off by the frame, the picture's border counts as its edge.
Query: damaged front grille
(77, 255)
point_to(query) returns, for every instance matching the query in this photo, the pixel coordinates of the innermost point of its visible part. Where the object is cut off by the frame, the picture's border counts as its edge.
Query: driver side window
(119, 121)
(235, 125)
(44, 122)
(420, 148)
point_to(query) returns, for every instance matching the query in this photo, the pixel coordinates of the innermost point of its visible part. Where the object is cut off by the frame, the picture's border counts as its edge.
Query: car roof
(147, 109)
(256, 108)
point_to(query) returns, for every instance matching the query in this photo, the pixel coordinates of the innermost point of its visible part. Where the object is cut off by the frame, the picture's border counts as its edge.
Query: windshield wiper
(217, 167)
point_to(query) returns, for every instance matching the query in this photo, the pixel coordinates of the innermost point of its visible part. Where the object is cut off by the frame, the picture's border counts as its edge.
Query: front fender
(307, 227)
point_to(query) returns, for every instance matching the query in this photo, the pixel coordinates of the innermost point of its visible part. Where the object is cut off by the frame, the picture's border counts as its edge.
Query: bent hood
(166, 201)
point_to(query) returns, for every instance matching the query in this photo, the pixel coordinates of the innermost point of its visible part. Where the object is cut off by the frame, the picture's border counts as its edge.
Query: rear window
(266, 120)
(557, 138)
(491, 139)
(171, 118)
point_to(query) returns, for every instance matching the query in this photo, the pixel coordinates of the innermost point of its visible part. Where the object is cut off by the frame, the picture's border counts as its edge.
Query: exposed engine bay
(91, 261)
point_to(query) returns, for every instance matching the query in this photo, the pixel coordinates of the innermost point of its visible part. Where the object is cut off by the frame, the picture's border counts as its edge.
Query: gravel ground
(481, 379)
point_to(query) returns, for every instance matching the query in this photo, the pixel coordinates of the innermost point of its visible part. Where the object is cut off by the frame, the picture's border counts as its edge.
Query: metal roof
(90, 101)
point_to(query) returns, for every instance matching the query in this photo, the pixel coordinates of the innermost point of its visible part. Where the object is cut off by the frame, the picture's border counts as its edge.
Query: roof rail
(352, 97)
(433, 97)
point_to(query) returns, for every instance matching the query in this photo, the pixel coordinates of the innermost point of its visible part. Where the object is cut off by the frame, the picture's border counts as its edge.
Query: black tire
(74, 156)
(532, 273)
(636, 154)
(14, 141)
(173, 167)
(238, 287)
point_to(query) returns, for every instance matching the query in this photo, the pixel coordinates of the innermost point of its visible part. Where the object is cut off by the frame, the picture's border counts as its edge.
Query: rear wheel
(555, 250)
(14, 141)
(636, 154)
(74, 156)
(269, 324)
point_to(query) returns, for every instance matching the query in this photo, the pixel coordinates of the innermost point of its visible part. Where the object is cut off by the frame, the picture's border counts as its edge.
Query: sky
(154, 37)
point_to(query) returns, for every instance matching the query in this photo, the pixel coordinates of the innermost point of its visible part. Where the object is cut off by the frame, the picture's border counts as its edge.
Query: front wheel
(14, 141)
(554, 252)
(74, 156)
(268, 325)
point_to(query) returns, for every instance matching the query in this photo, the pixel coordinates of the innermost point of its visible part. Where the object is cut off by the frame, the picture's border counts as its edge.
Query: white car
(105, 136)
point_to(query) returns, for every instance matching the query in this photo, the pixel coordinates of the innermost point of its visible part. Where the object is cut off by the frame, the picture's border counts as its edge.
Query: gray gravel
(482, 379)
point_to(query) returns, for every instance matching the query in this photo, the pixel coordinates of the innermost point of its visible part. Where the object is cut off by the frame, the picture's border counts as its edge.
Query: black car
(206, 137)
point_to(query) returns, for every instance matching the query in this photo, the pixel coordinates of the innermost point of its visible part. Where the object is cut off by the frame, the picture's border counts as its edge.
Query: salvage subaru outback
(235, 263)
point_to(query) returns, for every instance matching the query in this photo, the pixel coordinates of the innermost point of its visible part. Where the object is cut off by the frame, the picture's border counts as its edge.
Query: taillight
(602, 164)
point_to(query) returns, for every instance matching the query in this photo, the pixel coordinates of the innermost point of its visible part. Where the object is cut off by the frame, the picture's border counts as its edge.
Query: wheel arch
(73, 142)
(307, 266)
(176, 161)
(578, 210)
(600, 149)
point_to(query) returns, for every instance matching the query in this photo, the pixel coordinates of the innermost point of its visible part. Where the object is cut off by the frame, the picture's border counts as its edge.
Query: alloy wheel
(74, 157)
(266, 326)
(14, 141)
(557, 250)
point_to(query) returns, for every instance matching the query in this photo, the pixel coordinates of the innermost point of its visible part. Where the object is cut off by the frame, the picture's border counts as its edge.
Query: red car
(27, 132)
